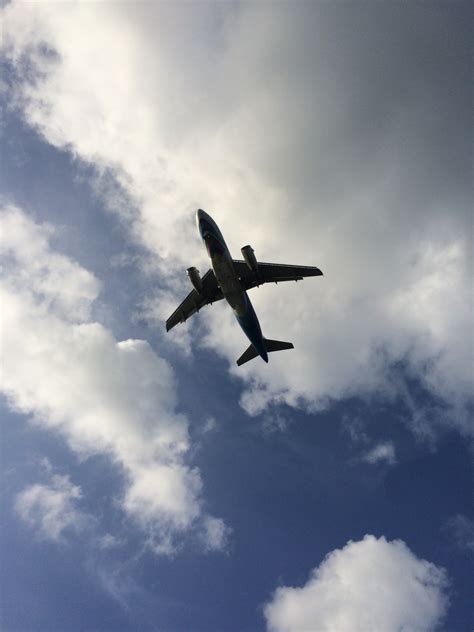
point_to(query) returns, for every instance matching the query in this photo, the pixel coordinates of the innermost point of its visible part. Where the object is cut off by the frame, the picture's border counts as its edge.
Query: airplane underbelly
(229, 284)
(237, 298)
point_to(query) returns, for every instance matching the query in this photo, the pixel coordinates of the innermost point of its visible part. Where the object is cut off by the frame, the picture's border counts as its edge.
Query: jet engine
(250, 259)
(195, 278)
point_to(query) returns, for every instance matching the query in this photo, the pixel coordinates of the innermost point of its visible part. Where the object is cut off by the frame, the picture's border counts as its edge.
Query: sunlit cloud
(104, 396)
(289, 155)
(369, 585)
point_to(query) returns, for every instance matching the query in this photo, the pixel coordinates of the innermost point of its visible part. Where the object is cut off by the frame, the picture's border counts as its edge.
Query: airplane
(230, 279)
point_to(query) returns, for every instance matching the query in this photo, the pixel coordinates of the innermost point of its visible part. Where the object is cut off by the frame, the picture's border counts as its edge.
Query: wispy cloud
(52, 509)
(460, 529)
(381, 453)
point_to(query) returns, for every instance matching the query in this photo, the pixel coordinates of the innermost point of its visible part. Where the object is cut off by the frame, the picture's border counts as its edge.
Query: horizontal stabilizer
(270, 345)
(277, 345)
(247, 355)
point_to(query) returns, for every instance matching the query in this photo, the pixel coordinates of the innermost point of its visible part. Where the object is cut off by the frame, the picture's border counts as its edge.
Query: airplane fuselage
(229, 282)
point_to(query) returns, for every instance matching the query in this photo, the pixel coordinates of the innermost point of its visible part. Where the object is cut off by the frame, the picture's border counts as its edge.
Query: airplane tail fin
(270, 345)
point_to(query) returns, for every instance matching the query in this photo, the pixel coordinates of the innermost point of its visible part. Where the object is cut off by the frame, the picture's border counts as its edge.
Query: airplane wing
(272, 273)
(194, 300)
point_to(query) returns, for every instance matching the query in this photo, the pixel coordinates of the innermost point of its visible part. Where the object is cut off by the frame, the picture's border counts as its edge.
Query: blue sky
(149, 483)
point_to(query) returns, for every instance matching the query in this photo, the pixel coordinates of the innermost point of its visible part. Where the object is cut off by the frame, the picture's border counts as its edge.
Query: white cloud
(274, 422)
(216, 534)
(460, 529)
(104, 396)
(108, 541)
(55, 282)
(382, 452)
(369, 586)
(299, 139)
(51, 509)
(210, 425)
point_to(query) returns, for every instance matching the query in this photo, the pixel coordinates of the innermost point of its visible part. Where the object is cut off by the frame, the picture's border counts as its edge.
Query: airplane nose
(202, 215)
(199, 213)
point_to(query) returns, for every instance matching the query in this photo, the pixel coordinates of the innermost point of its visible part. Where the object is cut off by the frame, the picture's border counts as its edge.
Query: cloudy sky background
(149, 483)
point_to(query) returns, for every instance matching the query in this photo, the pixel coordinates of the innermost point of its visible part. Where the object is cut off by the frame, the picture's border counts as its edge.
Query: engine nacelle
(249, 257)
(195, 278)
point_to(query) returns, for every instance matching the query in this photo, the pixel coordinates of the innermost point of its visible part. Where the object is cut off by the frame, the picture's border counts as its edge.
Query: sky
(148, 482)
